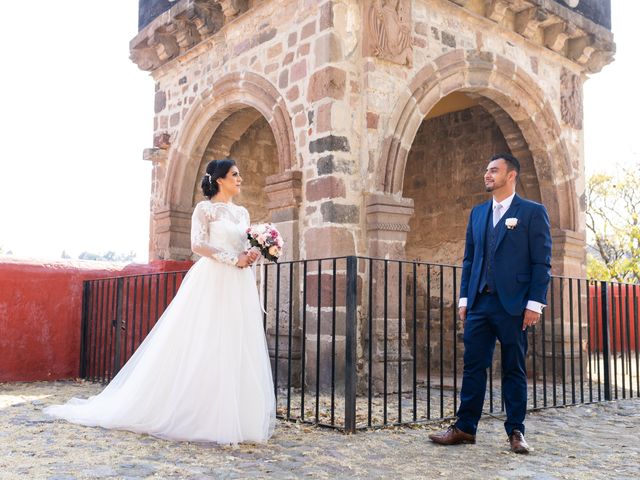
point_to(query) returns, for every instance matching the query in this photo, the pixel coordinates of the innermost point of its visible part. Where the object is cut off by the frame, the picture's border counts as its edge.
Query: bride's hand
(246, 259)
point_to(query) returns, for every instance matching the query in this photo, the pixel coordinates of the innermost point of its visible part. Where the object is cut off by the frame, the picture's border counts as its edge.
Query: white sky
(76, 114)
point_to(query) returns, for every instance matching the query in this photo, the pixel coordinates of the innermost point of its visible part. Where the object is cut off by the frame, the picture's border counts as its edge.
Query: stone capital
(284, 190)
(388, 216)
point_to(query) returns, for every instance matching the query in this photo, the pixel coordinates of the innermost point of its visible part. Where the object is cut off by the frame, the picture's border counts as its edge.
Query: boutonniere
(511, 223)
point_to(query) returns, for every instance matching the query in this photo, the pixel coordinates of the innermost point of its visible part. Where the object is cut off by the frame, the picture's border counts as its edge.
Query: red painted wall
(41, 309)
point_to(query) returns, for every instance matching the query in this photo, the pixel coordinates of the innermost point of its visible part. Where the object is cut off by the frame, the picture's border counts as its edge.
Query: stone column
(284, 193)
(387, 226)
(568, 260)
(171, 233)
(170, 225)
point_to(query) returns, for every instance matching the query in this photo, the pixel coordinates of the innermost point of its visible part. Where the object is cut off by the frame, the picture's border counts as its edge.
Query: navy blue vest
(488, 279)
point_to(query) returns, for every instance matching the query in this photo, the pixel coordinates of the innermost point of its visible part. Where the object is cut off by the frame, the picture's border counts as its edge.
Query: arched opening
(245, 136)
(242, 115)
(444, 170)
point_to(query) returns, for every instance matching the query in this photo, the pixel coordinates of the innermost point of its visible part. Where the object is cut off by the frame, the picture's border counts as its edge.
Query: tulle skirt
(202, 373)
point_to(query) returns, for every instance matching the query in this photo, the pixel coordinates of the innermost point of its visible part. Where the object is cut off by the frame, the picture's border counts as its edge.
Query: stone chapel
(364, 126)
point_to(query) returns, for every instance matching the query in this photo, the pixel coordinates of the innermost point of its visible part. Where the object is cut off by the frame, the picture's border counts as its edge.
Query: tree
(613, 226)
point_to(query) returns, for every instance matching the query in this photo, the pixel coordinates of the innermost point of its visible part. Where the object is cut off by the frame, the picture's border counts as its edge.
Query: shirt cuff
(462, 302)
(535, 306)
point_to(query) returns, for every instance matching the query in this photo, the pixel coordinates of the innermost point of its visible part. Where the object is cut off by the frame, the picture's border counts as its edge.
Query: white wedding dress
(203, 372)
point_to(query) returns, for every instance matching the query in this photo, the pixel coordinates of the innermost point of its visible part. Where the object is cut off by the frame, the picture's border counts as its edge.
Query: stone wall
(444, 177)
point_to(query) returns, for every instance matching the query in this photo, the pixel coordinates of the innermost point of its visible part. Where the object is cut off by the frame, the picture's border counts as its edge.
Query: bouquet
(266, 238)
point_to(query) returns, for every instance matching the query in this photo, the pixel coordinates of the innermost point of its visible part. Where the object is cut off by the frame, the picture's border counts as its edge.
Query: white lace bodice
(219, 231)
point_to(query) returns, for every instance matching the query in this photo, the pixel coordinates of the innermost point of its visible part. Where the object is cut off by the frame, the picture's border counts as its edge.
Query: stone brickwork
(353, 144)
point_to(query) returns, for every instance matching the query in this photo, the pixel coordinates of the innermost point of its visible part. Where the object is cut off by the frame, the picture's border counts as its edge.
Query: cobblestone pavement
(588, 441)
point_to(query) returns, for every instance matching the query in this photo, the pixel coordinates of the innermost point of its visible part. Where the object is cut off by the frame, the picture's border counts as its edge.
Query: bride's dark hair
(215, 169)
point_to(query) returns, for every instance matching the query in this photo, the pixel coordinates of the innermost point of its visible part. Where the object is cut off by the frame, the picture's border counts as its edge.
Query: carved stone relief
(571, 99)
(387, 32)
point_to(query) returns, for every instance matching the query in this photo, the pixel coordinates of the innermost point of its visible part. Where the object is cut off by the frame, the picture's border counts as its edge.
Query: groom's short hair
(512, 162)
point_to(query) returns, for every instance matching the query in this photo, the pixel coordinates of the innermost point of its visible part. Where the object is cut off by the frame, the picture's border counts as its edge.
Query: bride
(203, 372)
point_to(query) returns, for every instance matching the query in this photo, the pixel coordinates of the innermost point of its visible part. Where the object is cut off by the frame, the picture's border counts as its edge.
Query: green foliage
(613, 226)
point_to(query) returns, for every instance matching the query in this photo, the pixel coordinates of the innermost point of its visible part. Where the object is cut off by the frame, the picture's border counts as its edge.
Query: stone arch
(229, 95)
(519, 107)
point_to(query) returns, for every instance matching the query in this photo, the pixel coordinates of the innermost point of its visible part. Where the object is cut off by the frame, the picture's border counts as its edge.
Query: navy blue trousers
(486, 321)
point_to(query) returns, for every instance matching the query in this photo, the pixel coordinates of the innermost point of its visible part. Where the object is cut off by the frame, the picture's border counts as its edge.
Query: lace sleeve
(200, 238)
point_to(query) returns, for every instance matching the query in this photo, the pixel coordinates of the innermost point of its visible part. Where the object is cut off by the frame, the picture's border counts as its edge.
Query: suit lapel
(512, 211)
(480, 223)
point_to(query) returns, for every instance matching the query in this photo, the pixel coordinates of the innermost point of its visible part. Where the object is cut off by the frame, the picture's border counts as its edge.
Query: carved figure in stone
(389, 29)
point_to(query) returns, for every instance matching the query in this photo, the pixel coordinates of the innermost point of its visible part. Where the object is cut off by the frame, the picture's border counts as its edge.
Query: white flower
(511, 223)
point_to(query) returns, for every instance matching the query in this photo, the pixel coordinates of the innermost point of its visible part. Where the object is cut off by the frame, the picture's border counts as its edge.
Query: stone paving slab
(587, 441)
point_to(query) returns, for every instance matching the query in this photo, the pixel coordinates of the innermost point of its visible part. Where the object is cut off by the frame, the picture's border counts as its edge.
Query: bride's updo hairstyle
(215, 169)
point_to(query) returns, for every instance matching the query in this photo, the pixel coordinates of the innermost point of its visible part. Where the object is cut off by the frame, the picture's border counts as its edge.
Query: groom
(505, 275)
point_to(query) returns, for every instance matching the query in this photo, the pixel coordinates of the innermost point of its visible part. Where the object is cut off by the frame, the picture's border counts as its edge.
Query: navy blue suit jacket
(522, 256)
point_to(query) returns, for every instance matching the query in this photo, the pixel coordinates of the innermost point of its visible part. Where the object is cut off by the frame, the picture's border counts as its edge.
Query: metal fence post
(606, 355)
(351, 342)
(84, 328)
(118, 326)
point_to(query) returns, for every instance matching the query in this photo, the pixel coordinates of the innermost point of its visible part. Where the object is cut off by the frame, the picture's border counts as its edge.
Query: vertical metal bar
(598, 329)
(553, 342)
(543, 341)
(534, 376)
(133, 317)
(613, 319)
(98, 334)
(157, 302)
(118, 331)
(619, 319)
(589, 345)
(265, 295)
(580, 341)
(148, 308)
(637, 335)
(333, 341)
(165, 277)
(571, 341)
(93, 288)
(385, 339)
(628, 337)
(107, 330)
(400, 273)
(318, 332)
(351, 345)
(605, 342)
(441, 305)
(563, 355)
(414, 350)
(455, 343)
(84, 325)
(290, 340)
(303, 353)
(428, 341)
(112, 331)
(370, 345)
(125, 320)
(276, 360)
(491, 386)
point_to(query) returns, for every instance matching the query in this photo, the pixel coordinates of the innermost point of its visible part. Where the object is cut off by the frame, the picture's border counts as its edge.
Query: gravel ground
(588, 441)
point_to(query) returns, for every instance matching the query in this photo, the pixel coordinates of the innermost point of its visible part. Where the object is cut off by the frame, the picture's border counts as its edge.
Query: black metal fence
(361, 342)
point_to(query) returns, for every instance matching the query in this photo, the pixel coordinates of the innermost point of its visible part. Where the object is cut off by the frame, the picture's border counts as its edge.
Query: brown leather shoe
(518, 443)
(452, 436)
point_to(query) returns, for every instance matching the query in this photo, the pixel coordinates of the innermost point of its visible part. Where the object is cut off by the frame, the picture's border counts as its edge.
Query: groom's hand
(462, 313)
(530, 318)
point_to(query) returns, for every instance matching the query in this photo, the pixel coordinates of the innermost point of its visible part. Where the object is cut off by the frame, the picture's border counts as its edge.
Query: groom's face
(496, 175)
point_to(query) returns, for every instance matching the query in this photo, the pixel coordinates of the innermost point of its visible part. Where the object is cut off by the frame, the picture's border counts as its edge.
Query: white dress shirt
(505, 204)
